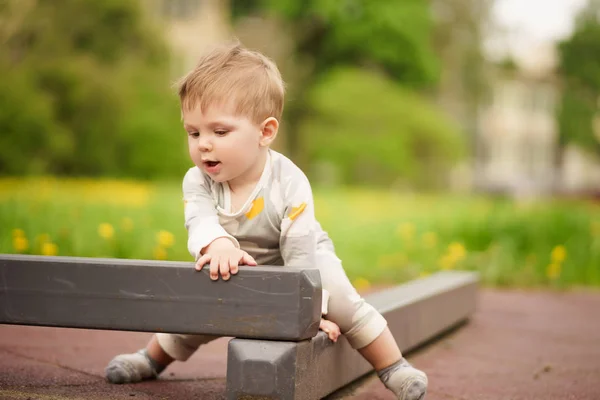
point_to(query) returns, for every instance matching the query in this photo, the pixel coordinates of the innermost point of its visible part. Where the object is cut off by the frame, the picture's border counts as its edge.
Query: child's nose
(204, 144)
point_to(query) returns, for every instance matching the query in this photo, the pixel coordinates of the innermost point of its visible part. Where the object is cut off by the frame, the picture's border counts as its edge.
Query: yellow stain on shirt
(257, 207)
(296, 211)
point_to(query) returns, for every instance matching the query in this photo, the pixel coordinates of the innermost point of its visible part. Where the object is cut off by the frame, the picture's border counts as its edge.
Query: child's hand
(331, 329)
(224, 257)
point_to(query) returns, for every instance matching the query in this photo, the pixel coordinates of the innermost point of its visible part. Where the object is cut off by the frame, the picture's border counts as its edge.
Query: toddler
(246, 204)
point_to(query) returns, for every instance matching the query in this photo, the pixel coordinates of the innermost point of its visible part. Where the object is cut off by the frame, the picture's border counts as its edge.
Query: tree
(459, 29)
(580, 70)
(74, 78)
(392, 37)
(373, 132)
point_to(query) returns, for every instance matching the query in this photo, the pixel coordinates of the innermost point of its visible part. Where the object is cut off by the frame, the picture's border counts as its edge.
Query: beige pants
(359, 321)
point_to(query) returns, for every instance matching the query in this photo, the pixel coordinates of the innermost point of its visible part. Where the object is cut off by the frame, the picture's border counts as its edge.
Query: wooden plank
(159, 296)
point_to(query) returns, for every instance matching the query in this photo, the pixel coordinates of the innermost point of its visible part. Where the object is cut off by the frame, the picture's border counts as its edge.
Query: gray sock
(407, 382)
(130, 368)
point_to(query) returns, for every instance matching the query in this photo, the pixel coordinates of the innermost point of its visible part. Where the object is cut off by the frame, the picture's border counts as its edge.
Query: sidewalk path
(518, 346)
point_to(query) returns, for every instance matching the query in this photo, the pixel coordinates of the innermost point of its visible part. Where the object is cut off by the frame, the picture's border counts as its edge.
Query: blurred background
(440, 134)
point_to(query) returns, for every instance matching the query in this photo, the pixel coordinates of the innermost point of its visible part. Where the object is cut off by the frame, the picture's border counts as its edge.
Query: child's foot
(131, 368)
(407, 382)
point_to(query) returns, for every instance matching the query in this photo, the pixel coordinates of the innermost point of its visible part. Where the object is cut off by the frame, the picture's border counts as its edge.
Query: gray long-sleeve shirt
(276, 225)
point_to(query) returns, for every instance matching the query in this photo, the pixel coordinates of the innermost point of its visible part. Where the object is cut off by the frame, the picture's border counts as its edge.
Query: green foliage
(575, 117)
(76, 83)
(377, 132)
(393, 37)
(153, 137)
(542, 243)
(27, 126)
(580, 68)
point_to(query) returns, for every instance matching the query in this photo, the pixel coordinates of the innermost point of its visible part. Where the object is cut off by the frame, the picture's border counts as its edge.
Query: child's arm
(208, 241)
(297, 242)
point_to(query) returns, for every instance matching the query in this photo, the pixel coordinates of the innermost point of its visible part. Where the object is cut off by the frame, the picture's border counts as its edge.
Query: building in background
(508, 114)
(191, 26)
(518, 132)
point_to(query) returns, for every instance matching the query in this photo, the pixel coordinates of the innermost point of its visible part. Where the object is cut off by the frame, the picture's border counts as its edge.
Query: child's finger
(202, 261)
(214, 268)
(233, 266)
(335, 335)
(224, 268)
(248, 260)
(331, 334)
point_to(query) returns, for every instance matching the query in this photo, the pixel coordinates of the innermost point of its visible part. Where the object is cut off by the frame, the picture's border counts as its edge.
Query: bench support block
(311, 369)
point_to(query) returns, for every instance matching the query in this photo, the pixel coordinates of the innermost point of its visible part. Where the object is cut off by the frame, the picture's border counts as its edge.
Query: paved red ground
(518, 345)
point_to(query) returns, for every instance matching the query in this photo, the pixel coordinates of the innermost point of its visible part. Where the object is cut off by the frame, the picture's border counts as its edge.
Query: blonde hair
(247, 78)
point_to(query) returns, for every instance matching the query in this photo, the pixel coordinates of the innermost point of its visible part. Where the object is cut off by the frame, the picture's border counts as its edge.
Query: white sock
(130, 368)
(407, 382)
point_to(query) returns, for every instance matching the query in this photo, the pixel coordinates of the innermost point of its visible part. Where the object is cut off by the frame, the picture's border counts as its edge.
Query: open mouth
(212, 167)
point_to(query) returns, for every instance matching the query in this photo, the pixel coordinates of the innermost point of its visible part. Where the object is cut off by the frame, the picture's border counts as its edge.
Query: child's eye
(194, 134)
(221, 132)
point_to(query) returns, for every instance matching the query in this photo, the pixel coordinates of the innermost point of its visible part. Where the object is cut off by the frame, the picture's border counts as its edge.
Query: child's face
(225, 146)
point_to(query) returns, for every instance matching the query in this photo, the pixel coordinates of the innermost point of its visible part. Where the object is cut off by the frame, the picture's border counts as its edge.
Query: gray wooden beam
(416, 312)
(159, 296)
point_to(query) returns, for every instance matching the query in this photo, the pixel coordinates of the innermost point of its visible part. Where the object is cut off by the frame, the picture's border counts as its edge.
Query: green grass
(381, 237)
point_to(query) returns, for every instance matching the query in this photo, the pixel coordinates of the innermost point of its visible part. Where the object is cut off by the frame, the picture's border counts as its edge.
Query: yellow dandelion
(49, 249)
(406, 231)
(127, 224)
(18, 233)
(383, 260)
(361, 284)
(429, 239)
(595, 228)
(165, 239)
(392, 260)
(447, 262)
(457, 251)
(20, 244)
(400, 259)
(160, 253)
(553, 270)
(559, 254)
(106, 231)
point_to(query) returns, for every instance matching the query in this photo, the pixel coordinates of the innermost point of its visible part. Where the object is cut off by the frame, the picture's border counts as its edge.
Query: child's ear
(269, 129)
